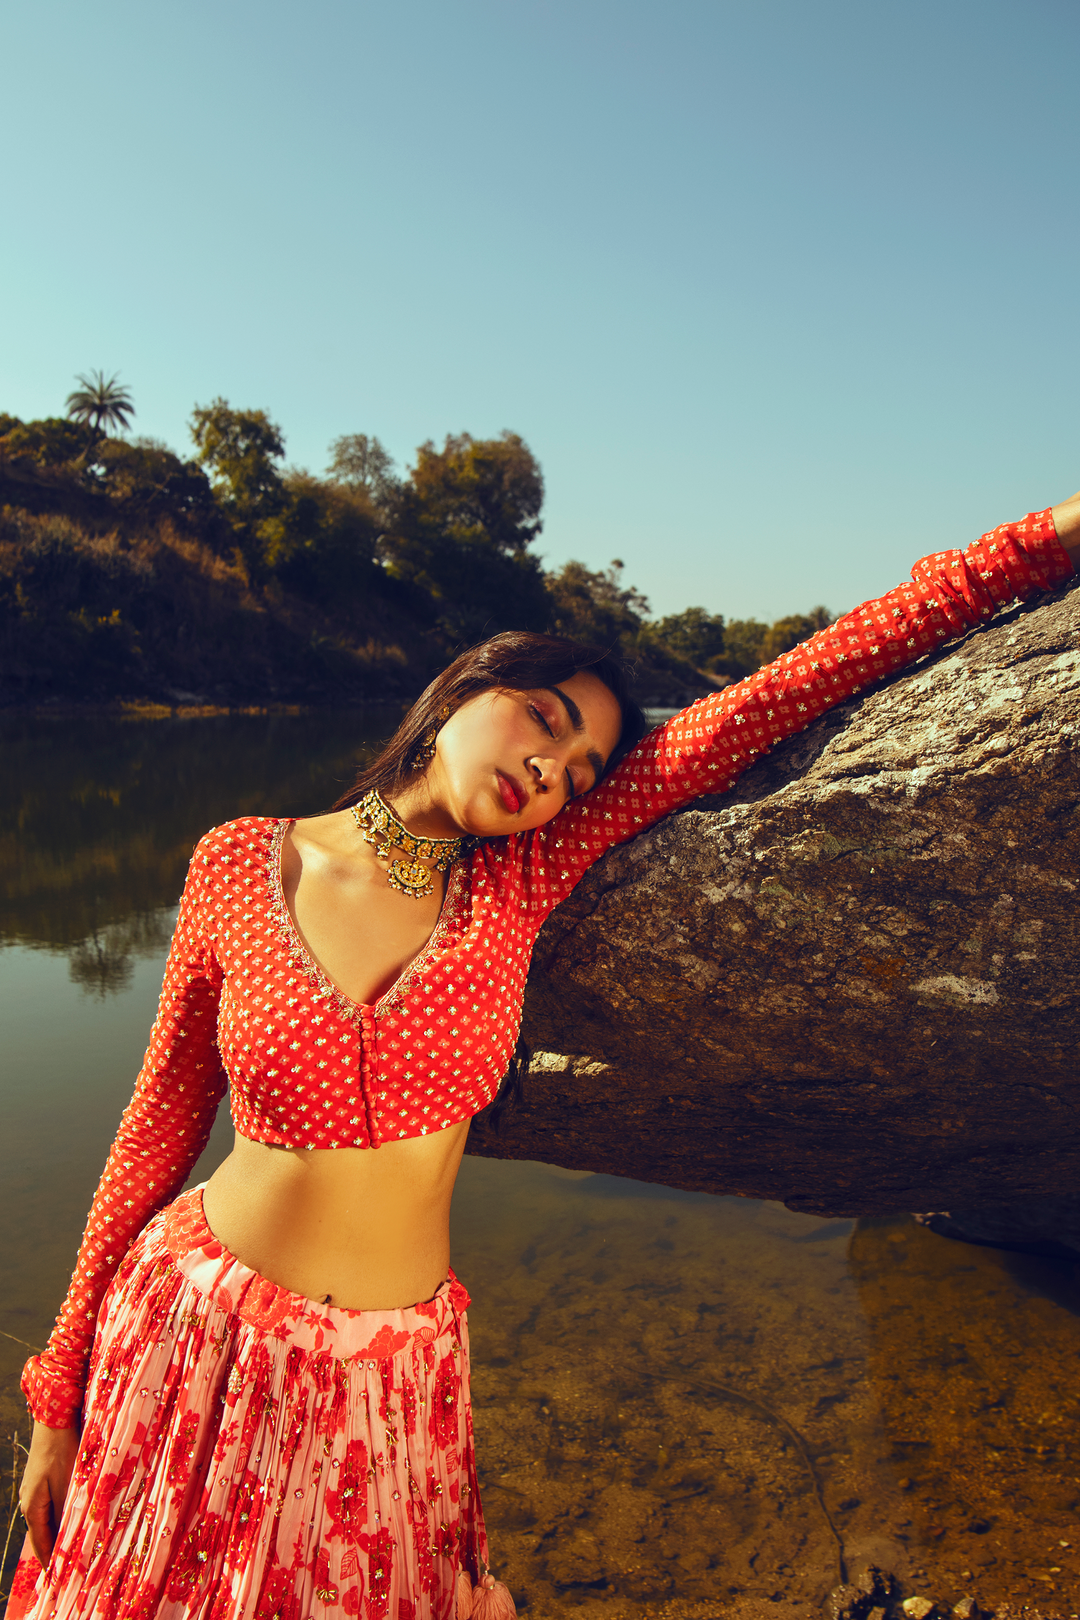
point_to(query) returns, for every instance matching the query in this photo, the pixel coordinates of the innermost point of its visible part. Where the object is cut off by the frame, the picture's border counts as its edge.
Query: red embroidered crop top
(244, 1005)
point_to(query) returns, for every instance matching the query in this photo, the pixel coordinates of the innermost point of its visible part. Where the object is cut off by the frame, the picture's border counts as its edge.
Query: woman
(271, 1425)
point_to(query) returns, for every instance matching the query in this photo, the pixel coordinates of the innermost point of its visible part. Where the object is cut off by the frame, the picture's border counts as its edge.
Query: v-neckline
(305, 959)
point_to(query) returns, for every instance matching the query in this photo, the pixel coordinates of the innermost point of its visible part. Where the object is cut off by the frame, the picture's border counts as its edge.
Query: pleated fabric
(250, 1453)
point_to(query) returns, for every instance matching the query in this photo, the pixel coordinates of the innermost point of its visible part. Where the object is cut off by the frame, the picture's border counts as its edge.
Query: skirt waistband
(306, 1324)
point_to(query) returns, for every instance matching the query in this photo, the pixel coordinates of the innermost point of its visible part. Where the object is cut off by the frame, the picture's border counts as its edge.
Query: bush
(146, 481)
(53, 442)
(65, 601)
(322, 544)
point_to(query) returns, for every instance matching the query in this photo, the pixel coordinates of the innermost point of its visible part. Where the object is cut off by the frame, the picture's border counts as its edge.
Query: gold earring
(426, 752)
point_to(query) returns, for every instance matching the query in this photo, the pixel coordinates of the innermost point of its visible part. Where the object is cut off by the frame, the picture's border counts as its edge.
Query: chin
(484, 820)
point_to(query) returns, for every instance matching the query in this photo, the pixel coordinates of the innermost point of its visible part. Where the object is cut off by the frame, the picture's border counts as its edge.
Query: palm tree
(100, 402)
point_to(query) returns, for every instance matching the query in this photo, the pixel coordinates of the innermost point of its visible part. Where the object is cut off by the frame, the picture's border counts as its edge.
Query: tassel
(492, 1601)
(464, 1602)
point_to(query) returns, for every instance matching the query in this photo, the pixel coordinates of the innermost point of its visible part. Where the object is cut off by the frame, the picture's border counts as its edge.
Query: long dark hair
(516, 661)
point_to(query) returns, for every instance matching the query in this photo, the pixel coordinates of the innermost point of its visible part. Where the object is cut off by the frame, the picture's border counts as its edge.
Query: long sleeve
(163, 1130)
(706, 747)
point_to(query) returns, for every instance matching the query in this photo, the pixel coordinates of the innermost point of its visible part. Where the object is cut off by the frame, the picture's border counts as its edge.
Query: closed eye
(537, 714)
(541, 718)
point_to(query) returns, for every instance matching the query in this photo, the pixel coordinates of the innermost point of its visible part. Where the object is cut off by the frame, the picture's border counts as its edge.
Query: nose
(545, 773)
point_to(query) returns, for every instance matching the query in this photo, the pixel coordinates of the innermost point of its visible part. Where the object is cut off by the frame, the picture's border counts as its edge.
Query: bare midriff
(358, 1228)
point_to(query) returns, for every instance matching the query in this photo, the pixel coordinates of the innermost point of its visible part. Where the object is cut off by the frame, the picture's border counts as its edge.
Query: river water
(686, 1406)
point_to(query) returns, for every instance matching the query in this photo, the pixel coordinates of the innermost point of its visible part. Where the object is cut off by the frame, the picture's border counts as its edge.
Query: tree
(240, 450)
(694, 634)
(748, 643)
(789, 632)
(362, 463)
(148, 480)
(458, 531)
(743, 643)
(489, 489)
(100, 403)
(322, 543)
(596, 607)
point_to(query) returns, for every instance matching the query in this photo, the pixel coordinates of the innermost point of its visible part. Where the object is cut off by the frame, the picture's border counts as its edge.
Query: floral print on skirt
(247, 1452)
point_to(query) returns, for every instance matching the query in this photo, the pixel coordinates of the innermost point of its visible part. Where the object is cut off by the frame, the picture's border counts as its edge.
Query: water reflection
(681, 1401)
(98, 815)
(105, 962)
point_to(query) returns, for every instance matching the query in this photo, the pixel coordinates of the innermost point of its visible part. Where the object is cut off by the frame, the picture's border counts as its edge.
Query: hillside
(130, 574)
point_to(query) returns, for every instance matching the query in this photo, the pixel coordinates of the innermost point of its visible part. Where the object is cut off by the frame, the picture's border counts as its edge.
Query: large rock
(853, 983)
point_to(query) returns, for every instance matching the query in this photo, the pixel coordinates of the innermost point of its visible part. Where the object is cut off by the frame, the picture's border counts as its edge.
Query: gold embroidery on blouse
(302, 959)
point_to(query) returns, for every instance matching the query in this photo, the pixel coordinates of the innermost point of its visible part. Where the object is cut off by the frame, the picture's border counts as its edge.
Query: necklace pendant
(410, 877)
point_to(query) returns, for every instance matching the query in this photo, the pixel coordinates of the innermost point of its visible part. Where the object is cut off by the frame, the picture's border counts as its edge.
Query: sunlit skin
(1067, 524)
(370, 1228)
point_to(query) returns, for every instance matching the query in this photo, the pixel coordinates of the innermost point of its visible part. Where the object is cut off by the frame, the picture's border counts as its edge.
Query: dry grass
(159, 620)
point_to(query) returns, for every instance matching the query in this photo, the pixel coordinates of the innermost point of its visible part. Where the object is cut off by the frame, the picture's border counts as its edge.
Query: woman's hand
(44, 1485)
(1067, 523)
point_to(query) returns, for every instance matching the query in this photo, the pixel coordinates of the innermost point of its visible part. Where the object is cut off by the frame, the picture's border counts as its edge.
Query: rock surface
(853, 983)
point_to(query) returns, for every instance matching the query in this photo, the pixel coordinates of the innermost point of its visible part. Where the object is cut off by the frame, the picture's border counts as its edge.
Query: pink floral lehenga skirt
(250, 1453)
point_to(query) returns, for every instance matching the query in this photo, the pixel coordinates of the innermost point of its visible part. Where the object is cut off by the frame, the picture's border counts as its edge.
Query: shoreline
(158, 709)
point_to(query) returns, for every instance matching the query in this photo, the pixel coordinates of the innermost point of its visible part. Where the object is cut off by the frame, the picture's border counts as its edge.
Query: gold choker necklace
(380, 828)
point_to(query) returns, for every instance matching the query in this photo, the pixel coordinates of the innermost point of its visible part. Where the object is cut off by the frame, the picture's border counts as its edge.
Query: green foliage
(457, 534)
(322, 542)
(363, 464)
(61, 599)
(596, 607)
(797, 627)
(241, 450)
(100, 403)
(750, 643)
(52, 442)
(744, 642)
(148, 480)
(694, 634)
(488, 490)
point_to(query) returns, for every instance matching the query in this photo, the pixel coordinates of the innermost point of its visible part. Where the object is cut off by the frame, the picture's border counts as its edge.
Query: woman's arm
(164, 1129)
(706, 748)
(1067, 523)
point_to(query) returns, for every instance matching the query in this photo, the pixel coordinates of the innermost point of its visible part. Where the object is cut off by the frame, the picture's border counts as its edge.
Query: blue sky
(782, 294)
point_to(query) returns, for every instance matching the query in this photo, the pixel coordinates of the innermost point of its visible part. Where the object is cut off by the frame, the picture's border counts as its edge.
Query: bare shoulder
(328, 846)
(331, 834)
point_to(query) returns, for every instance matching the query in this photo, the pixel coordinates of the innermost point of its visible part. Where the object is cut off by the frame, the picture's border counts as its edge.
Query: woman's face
(509, 761)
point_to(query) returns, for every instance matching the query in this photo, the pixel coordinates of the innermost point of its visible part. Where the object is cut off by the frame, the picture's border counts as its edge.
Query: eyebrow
(595, 759)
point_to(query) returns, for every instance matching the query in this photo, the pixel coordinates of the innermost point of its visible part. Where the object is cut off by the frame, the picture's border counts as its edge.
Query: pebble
(845, 1602)
(918, 1608)
(966, 1609)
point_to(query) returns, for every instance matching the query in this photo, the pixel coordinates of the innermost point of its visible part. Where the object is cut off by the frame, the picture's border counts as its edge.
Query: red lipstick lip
(513, 794)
